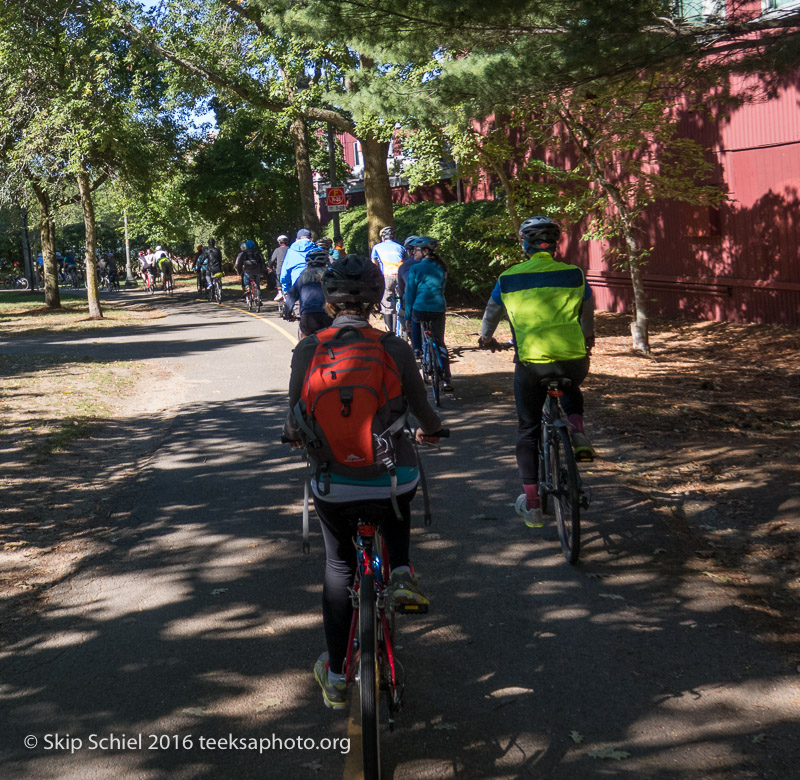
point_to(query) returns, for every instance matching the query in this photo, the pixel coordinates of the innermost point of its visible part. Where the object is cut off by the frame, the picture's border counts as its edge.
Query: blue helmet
(250, 244)
(426, 242)
(539, 232)
(409, 242)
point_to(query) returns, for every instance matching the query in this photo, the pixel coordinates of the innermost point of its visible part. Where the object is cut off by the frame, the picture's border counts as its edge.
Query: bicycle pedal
(411, 609)
(584, 457)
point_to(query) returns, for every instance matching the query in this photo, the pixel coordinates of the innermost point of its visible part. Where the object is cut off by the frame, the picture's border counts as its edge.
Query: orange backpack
(351, 408)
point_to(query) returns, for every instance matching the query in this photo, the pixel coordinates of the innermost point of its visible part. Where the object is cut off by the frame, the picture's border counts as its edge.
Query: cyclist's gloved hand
(490, 343)
(423, 438)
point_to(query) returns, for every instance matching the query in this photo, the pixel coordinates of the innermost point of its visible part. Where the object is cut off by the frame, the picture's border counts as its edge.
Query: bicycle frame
(553, 417)
(369, 562)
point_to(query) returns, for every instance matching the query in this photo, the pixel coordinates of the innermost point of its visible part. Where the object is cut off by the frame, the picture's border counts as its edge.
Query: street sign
(335, 199)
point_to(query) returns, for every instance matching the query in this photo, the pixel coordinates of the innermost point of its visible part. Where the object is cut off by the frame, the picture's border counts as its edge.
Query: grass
(49, 401)
(24, 313)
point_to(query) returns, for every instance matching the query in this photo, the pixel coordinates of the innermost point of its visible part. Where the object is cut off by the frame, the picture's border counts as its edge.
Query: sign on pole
(335, 199)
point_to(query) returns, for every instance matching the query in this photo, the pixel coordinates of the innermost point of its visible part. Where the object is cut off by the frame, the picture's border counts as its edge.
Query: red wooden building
(738, 262)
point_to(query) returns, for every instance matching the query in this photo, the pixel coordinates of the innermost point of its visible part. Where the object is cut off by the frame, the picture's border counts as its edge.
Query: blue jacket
(294, 263)
(308, 290)
(425, 287)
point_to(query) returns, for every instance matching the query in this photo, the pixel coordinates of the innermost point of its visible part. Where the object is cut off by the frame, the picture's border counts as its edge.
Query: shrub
(476, 240)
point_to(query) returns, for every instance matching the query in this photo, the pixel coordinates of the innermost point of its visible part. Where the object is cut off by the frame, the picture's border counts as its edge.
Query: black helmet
(540, 230)
(317, 257)
(426, 242)
(410, 241)
(325, 242)
(387, 233)
(354, 279)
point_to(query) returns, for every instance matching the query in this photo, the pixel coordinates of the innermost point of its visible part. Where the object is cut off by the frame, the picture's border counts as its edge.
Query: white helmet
(158, 249)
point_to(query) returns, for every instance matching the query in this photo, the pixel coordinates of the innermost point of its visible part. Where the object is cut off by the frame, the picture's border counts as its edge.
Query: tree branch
(250, 94)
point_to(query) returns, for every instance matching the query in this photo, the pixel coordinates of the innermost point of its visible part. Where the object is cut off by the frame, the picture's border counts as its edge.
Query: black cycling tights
(337, 529)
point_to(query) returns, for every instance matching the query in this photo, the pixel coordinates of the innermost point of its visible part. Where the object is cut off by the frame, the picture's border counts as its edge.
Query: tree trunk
(92, 292)
(47, 229)
(639, 325)
(30, 271)
(299, 133)
(377, 189)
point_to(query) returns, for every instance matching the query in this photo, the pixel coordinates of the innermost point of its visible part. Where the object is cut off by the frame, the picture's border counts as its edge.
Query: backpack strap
(306, 491)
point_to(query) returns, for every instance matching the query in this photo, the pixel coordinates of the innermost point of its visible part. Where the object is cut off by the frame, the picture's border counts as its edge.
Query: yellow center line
(353, 766)
(280, 330)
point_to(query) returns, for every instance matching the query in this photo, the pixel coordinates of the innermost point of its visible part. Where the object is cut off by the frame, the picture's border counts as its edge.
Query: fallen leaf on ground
(576, 736)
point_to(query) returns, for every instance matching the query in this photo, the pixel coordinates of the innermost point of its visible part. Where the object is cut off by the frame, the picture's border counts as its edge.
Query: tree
(283, 68)
(72, 116)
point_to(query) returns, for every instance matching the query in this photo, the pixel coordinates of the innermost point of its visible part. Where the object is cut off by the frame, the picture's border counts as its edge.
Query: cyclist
(353, 287)
(425, 302)
(250, 264)
(307, 290)
(164, 266)
(337, 253)
(276, 262)
(413, 256)
(326, 243)
(212, 262)
(197, 267)
(388, 255)
(551, 311)
(71, 268)
(294, 261)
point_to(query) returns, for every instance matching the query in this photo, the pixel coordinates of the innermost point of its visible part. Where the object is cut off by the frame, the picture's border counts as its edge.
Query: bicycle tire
(564, 473)
(23, 283)
(436, 374)
(368, 680)
(425, 364)
(544, 496)
(218, 292)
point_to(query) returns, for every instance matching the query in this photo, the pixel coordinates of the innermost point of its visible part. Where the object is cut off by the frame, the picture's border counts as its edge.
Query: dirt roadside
(708, 425)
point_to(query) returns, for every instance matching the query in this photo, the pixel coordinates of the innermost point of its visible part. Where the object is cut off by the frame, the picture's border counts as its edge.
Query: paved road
(199, 619)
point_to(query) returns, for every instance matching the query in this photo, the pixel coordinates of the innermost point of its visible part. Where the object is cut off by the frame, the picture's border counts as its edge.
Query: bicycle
(149, 281)
(109, 283)
(400, 325)
(215, 292)
(72, 277)
(433, 367)
(252, 296)
(17, 282)
(169, 284)
(558, 470)
(370, 659)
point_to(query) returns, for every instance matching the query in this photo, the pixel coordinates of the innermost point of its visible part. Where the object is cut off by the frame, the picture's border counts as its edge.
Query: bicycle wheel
(218, 291)
(436, 373)
(368, 680)
(566, 496)
(23, 283)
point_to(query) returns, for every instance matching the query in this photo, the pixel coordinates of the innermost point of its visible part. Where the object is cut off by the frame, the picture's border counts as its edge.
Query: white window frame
(356, 154)
(707, 8)
(773, 6)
